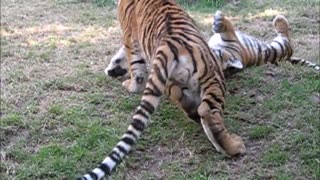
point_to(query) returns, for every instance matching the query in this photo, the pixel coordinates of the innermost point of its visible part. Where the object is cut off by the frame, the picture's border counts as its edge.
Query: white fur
(119, 55)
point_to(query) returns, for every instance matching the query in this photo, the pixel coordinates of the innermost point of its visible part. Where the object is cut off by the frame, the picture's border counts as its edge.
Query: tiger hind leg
(210, 111)
(184, 98)
(281, 25)
(222, 24)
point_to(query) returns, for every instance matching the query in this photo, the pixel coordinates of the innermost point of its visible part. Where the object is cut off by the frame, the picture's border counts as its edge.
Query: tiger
(182, 67)
(238, 50)
(235, 49)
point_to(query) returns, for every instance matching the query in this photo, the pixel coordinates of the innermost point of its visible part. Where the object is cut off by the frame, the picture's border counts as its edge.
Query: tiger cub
(238, 50)
(182, 67)
(235, 49)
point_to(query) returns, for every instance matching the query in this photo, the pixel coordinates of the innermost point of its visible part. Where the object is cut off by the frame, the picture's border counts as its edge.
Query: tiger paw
(218, 23)
(132, 86)
(233, 145)
(281, 25)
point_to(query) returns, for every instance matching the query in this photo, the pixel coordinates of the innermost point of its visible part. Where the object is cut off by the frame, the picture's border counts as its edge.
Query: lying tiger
(235, 49)
(183, 67)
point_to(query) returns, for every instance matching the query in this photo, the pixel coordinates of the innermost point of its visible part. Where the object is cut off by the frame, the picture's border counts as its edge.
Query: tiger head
(228, 61)
(118, 65)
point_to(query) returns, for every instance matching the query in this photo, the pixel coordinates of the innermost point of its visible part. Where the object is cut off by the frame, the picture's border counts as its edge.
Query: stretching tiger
(182, 67)
(235, 49)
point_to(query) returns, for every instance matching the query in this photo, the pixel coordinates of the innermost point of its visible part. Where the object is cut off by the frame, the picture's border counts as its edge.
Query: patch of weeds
(283, 176)
(104, 2)
(275, 155)
(12, 119)
(202, 5)
(79, 46)
(96, 98)
(260, 131)
(56, 110)
(310, 154)
(40, 56)
(17, 152)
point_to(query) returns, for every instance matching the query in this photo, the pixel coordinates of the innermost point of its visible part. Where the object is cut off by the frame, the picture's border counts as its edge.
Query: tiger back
(182, 67)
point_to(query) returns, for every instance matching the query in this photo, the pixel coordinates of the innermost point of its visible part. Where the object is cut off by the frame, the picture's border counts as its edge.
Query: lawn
(61, 115)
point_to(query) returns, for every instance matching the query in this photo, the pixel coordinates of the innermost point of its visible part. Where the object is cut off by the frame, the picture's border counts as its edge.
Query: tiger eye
(117, 61)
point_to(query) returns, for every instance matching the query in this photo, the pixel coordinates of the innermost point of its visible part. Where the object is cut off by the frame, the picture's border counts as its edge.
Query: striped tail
(303, 62)
(149, 102)
(140, 121)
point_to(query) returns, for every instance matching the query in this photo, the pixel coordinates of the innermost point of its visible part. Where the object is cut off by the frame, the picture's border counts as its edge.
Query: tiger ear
(235, 63)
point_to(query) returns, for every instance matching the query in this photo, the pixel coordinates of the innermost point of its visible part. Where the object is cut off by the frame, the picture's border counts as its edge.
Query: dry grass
(60, 114)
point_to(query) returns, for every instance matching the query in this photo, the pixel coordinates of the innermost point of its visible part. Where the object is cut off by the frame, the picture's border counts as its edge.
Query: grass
(60, 114)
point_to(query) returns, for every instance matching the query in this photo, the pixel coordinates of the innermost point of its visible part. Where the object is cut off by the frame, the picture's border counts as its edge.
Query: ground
(60, 114)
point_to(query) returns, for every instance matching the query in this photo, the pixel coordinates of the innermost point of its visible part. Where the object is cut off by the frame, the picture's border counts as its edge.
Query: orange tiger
(182, 66)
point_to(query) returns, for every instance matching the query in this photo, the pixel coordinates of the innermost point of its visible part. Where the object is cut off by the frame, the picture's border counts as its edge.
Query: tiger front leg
(137, 68)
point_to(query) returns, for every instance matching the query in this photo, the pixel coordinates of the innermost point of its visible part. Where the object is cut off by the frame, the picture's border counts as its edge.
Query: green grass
(275, 156)
(60, 114)
(260, 132)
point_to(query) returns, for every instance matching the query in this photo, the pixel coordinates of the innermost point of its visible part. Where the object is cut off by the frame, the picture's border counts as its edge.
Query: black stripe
(274, 55)
(267, 54)
(229, 40)
(147, 106)
(282, 50)
(139, 111)
(163, 62)
(132, 133)
(289, 47)
(159, 74)
(128, 141)
(140, 61)
(127, 8)
(210, 104)
(229, 47)
(115, 156)
(122, 149)
(155, 89)
(259, 54)
(93, 175)
(105, 168)
(208, 86)
(174, 50)
(138, 124)
(216, 98)
(204, 81)
(115, 159)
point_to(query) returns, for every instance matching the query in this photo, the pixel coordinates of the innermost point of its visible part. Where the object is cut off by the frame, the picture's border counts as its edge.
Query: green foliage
(275, 155)
(104, 2)
(261, 131)
(201, 3)
(205, 5)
